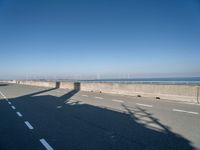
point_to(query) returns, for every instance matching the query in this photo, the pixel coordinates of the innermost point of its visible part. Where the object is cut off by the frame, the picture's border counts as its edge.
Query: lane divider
(19, 114)
(29, 125)
(45, 144)
(184, 111)
(13, 107)
(119, 101)
(99, 97)
(145, 105)
(43, 141)
(84, 95)
(3, 96)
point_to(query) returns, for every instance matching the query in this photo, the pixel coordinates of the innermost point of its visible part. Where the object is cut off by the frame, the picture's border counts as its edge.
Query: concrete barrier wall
(171, 92)
(67, 85)
(64, 85)
(187, 93)
(38, 83)
(10, 81)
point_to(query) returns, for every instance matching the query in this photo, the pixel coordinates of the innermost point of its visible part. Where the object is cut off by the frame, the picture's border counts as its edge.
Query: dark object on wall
(57, 84)
(77, 86)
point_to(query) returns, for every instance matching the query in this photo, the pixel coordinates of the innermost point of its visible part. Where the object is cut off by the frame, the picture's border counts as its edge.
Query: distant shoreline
(177, 80)
(166, 81)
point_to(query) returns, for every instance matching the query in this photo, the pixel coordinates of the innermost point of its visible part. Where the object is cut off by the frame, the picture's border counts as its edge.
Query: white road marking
(84, 95)
(99, 97)
(119, 101)
(145, 105)
(59, 107)
(184, 111)
(3, 96)
(29, 125)
(13, 107)
(45, 144)
(19, 114)
(9, 103)
(181, 102)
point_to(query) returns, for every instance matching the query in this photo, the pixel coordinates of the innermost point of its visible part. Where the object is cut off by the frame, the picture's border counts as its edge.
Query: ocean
(177, 80)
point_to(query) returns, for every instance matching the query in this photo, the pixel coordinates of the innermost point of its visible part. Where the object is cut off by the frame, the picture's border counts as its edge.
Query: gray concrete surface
(70, 119)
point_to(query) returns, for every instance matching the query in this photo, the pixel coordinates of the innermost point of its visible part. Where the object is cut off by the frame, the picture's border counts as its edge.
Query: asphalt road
(34, 118)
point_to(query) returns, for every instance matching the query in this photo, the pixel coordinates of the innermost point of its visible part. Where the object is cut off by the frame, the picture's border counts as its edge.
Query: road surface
(34, 118)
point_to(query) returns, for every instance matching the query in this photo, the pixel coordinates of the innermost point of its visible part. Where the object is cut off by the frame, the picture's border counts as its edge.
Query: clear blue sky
(142, 37)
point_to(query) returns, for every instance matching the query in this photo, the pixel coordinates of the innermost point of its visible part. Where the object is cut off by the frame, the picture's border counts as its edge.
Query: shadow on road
(70, 124)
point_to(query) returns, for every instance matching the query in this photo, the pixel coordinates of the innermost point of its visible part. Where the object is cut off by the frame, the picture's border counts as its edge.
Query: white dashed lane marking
(45, 144)
(59, 107)
(13, 107)
(145, 105)
(29, 125)
(43, 141)
(19, 114)
(119, 101)
(84, 95)
(3, 96)
(184, 111)
(99, 97)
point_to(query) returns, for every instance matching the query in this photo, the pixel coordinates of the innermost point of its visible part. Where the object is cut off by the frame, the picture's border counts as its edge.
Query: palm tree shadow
(167, 140)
